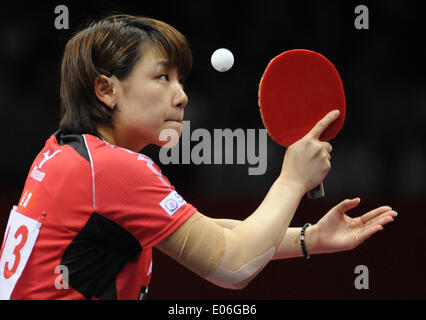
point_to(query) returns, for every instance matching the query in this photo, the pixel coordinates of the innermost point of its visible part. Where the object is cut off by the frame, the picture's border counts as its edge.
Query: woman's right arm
(231, 258)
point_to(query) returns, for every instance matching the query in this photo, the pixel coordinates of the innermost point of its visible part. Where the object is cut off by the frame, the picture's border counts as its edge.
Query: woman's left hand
(336, 231)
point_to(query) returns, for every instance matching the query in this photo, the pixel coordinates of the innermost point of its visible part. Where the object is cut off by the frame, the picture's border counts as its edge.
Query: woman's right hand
(307, 161)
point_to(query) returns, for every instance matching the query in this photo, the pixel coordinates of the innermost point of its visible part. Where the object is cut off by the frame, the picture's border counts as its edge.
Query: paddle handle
(317, 192)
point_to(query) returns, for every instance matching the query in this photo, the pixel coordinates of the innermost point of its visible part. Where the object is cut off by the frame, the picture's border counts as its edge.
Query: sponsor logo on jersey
(26, 197)
(172, 203)
(36, 173)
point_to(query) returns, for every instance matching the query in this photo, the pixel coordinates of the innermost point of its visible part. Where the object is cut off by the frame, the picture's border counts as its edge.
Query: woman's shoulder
(122, 161)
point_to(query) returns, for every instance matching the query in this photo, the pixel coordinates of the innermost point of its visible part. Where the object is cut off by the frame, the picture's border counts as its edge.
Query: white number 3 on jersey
(19, 239)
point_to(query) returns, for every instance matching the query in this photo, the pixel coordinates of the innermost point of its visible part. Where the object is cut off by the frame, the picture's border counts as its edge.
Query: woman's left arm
(334, 232)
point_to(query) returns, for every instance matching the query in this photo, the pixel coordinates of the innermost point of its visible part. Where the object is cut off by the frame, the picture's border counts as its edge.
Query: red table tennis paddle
(298, 88)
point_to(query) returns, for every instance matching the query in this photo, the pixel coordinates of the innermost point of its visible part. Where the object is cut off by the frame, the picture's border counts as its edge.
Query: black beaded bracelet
(302, 240)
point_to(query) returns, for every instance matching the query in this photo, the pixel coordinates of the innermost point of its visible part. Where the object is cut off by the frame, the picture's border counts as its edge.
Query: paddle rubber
(298, 88)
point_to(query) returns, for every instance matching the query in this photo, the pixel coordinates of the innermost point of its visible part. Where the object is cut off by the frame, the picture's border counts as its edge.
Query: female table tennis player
(94, 207)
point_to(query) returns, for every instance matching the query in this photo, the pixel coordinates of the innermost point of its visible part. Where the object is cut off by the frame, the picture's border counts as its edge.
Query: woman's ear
(105, 91)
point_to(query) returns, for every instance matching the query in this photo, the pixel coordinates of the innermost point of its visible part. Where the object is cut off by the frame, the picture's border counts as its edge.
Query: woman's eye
(164, 77)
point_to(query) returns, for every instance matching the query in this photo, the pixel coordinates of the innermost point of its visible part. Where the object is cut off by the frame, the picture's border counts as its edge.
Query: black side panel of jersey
(74, 140)
(96, 255)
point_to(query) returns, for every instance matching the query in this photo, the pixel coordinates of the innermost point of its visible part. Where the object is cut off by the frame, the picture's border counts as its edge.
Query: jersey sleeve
(131, 191)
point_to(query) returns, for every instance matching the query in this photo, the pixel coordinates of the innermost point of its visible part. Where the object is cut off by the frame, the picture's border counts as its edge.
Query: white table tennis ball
(222, 60)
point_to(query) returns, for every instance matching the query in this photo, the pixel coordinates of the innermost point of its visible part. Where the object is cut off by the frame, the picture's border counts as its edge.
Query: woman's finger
(346, 205)
(374, 213)
(382, 219)
(327, 146)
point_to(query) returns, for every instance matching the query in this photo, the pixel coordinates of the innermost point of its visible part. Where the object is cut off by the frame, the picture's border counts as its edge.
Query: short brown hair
(111, 46)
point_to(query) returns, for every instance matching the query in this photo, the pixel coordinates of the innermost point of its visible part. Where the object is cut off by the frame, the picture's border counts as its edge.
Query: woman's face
(149, 101)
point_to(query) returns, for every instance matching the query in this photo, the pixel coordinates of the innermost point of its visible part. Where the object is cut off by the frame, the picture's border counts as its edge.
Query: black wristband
(302, 240)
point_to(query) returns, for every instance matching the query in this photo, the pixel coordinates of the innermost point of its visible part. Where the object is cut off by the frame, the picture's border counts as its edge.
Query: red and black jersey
(87, 220)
